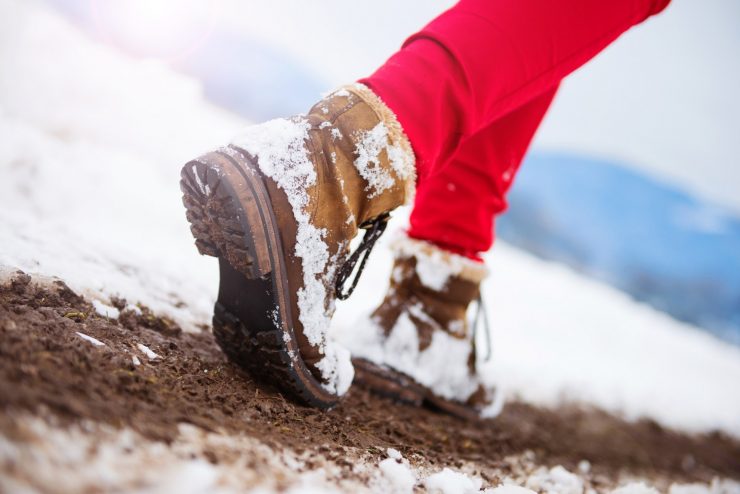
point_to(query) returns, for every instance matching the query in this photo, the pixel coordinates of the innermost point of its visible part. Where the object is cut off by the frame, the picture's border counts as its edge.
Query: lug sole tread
(214, 214)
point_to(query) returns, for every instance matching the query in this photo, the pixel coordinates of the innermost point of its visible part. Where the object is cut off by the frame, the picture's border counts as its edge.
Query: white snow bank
(90, 156)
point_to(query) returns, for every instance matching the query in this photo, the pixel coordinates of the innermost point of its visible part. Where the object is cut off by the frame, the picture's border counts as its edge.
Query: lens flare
(168, 30)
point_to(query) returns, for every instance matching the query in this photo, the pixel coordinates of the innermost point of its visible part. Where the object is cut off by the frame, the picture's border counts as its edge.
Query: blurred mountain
(654, 241)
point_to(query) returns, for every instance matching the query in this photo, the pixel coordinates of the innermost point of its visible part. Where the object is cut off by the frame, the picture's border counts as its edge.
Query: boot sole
(231, 217)
(398, 386)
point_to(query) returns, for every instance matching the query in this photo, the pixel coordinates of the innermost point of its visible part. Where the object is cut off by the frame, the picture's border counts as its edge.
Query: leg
(482, 59)
(455, 205)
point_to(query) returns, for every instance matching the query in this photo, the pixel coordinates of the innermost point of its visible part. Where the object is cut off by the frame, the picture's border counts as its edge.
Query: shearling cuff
(436, 260)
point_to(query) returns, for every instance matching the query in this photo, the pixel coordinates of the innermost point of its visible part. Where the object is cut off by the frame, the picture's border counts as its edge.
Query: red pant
(470, 90)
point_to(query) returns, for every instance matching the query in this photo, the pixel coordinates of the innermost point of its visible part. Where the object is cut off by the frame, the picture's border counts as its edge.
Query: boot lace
(373, 230)
(482, 315)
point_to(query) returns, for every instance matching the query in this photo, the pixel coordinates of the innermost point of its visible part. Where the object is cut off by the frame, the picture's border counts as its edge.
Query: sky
(663, 98)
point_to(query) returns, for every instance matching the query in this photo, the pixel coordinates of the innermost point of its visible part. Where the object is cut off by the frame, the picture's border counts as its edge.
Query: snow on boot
(279, 207)
(417, 346)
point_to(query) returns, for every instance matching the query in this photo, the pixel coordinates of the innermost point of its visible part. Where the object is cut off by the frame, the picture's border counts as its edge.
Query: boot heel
(223, 212)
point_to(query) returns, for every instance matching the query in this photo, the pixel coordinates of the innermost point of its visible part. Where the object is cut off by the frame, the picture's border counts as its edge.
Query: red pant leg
(455, 206)
(482, 59)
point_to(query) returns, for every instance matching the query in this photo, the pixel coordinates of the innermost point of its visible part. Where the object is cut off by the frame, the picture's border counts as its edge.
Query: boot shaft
(433, 287)
(364, 159)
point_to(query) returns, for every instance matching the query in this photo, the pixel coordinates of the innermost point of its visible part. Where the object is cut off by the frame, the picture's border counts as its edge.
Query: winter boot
(279, 207)
(417, 346)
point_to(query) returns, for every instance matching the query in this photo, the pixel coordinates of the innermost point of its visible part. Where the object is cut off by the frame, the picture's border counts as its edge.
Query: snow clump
(90, 339)
(557, 480)
(399, 479)
(369, 146)
(509, 489)
(450, 482)
(635, 488)
(147, 351)
(105, 310)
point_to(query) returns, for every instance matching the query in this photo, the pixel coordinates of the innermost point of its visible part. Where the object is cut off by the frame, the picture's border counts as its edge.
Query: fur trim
(396, 136)
(441, 262)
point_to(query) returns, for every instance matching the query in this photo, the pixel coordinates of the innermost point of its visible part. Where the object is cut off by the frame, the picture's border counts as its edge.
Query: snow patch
(98, 458)
(336, 367)
(370, 144)
(394, 453)
(399, 479)
(133, 308)
(635, 488)
(557, 480)
(105, 310)
(509, 489)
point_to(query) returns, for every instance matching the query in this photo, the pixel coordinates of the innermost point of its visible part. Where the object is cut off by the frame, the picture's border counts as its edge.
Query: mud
(48, 369)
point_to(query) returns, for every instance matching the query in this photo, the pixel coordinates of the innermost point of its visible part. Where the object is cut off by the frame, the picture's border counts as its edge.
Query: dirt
(47, 368)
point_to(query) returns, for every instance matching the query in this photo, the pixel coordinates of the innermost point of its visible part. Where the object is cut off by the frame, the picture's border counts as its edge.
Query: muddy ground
(48, 370)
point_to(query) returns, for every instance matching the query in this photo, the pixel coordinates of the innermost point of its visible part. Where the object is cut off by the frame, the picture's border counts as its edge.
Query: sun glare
(162, 29)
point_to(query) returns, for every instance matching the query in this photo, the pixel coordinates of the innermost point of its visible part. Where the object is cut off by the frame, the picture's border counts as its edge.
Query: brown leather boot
(417, 345)
(279, 207)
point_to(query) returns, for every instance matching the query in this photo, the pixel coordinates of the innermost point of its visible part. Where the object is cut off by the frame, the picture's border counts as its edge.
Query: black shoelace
(374, 229)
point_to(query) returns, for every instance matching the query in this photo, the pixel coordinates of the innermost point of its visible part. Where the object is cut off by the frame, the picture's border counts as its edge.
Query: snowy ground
(102, 460)
(91, 148)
